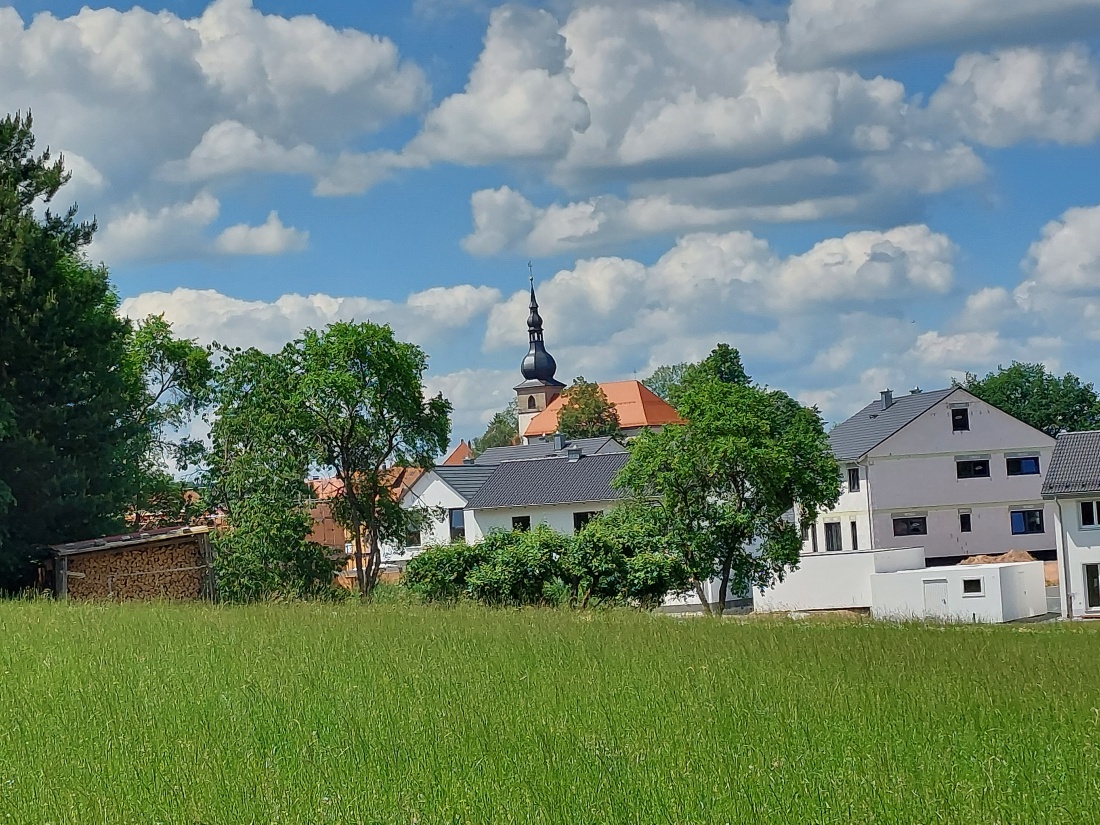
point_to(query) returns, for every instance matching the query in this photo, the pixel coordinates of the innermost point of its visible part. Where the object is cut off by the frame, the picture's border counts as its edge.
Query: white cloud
(827, 32)
(230, 147)
(1023, 94)
(170, 232)
(270, 238)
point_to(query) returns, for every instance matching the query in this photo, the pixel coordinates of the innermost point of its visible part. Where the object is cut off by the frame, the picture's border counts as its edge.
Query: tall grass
(399, 714)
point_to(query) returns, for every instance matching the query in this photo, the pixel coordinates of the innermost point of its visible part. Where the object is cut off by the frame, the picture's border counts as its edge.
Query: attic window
(960, 420)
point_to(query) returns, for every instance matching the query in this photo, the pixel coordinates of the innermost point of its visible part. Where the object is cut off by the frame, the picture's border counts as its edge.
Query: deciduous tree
(1046, 401)
(503, 430)
(586, 411)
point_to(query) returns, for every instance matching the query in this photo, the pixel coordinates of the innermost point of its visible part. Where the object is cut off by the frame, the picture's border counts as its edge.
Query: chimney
(915, 391)
(559, 442)
(887, 399)
(574, 453)
(468, 460)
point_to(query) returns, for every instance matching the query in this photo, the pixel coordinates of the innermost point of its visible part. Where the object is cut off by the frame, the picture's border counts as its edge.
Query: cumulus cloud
(170, 232)
(1023, 94)
(270, 238)
(830, 32)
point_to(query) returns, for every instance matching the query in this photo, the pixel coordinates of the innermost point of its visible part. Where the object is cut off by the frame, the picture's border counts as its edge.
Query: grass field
(398, 714)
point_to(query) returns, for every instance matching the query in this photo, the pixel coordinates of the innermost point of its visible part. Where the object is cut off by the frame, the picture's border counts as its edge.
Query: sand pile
(1050, 568)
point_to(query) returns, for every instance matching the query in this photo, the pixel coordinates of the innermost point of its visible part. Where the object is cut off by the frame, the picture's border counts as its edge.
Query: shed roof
(551, 481)
(637, 406)
(129, 540)
(465, 479)
(546, 449)
(1075, 466)
(858, 435)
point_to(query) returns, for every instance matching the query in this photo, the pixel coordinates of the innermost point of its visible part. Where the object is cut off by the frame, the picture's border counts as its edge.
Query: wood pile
(175, 570)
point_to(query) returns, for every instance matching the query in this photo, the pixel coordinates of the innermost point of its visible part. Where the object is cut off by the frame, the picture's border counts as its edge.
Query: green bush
(440, 572)
(518, 567)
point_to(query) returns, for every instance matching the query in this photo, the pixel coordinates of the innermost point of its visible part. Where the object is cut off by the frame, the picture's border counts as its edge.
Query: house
(943, 470)
(172, 563)
(562, 491)
(1073, 486)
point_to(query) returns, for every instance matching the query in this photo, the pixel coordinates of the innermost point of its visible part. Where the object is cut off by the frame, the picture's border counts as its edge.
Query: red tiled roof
(637, 405)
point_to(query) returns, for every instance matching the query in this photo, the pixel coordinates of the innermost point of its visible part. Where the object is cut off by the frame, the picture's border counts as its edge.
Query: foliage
(503, 430)
(63, 462)
(586, 412)
(726, 480)
(1046, 401)
(516, 567)
(349, 399)
(666, 378)
(439, 573)
(256, 479)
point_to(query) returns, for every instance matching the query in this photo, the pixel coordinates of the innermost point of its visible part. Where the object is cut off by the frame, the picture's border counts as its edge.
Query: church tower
(539, 387)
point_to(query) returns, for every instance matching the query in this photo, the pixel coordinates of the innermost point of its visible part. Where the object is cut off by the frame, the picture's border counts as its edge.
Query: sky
(857, 194)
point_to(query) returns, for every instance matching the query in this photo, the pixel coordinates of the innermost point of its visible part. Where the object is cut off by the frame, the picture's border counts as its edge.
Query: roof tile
(1075, 466)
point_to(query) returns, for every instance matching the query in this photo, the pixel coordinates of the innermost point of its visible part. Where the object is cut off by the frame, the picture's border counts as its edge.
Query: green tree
(1032, 394)
(503, 430)
(256, 478)
(726, 480)
(170, 381)
(586, 412)
(666, 378)
(64, 459)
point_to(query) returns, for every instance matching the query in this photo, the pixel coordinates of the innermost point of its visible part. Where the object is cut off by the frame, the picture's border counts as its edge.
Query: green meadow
(318, 713)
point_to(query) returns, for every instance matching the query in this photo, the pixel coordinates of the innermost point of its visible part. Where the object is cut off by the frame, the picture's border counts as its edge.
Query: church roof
(638, 406)
(459, 455)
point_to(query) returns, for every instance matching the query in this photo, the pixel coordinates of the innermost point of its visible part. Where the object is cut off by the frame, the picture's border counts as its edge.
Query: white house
(941, 469)
(1073, 484)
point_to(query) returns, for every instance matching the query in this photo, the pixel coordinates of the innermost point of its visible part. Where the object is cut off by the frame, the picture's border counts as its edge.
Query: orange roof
(637, 405)
(460, 454)
(399, 479)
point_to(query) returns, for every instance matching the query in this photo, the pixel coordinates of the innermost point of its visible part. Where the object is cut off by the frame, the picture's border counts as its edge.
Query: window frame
(1090, 605)
(910, 519)
(960, 416)
(582, 517)
(1094, 509)
(1026, 531)
(970, 463)
(855, 535)
(853, 475)
(966, 523)
(813, 538)
(418, 533)
(1019, 459)
(837, 533)
(456, 526)
(521, 524)
(973, 594)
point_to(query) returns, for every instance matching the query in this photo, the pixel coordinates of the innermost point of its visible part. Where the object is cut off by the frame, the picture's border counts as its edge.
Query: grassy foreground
(343, 714)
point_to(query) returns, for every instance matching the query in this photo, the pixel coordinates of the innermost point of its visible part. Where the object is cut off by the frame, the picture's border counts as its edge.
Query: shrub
(440, 573)
(518, 567)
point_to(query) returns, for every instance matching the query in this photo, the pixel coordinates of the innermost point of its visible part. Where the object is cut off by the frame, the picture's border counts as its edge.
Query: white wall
(834, 581)
(851, 506)
(429, 492)
(558, 517)
(1009, 591)
(1077, 546)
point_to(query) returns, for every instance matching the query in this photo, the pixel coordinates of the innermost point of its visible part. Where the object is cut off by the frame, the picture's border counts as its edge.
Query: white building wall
(429, 492)
(850, 507)
(558, 517)
(834, 581)
(1077, 546)
(1009, 591)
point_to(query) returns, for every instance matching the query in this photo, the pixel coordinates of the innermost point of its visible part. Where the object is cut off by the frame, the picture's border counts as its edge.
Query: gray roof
(551, 481)
(1075, 466)
(545, 449)
(464, 479)
(854, 438)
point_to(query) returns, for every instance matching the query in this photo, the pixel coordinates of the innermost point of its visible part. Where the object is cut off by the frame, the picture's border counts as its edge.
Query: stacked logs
(175, 570)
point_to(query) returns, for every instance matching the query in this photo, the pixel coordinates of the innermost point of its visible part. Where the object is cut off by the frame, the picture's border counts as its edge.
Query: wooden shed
(175, 563)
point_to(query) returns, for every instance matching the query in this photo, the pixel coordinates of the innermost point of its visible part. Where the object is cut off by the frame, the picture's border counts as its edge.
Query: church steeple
(538, 365)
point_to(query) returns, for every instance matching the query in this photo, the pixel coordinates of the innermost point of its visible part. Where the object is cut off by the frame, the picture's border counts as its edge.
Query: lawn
(398, 714)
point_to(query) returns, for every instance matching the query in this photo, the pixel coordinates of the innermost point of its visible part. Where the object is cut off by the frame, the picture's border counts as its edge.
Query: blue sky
(856, 193)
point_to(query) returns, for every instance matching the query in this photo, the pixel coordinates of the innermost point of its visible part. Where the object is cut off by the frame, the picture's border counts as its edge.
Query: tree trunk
(375, 562)
(723, 588)
(702, 596)
(360, 570)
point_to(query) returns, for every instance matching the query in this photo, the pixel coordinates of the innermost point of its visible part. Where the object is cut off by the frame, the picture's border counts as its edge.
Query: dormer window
(960, 420)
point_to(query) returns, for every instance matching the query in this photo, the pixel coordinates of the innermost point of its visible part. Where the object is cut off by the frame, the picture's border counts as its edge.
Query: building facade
(1073, 486)
(943, 470)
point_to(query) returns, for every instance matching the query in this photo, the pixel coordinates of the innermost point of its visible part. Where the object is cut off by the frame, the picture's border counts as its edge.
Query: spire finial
(531, 274)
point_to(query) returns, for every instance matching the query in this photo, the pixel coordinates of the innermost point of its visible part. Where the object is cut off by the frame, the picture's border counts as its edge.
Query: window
(853, 480)
(855, 536)
(813, 537)
(521, 524)
(581, 519)
(530, 402)
(972, 587)
(1028, 466)
(1025, 522)
(832, 537)
(960, 419)
(911, 526)
(965, 525)
(972, 469)
(457, 520)
(1092, 586)
(1090, 510)
(412, 538)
